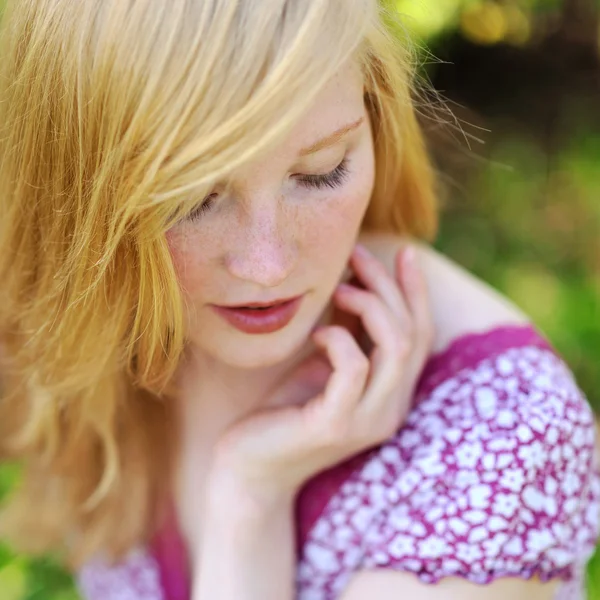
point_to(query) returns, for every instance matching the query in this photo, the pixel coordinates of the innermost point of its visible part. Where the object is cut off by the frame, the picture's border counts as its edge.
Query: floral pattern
(494, 474)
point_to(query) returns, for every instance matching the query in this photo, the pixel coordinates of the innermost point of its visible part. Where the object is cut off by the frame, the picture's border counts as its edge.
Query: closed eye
(332, 180)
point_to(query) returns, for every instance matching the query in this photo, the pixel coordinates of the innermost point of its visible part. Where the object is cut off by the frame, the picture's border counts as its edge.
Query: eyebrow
(332, 139)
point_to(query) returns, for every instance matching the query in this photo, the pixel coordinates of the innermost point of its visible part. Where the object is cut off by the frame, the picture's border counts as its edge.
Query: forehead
(340, 102)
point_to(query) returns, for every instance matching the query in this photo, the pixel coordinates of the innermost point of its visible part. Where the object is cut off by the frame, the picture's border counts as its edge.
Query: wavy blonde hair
(115, 118)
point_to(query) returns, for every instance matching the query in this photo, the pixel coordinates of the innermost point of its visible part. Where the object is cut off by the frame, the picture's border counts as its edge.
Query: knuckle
(402, 347)
(372, 303)
(409, 328)
(359, 365)
(425, 337)
(338, 334)
(387, 425)
(334, 432)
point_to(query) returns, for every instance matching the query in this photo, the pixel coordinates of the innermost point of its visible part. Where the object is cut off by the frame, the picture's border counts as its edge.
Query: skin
(317, 397)
(268, 238)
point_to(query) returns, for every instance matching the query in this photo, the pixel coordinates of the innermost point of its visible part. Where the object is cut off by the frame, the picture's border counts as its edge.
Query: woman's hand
(366, 399)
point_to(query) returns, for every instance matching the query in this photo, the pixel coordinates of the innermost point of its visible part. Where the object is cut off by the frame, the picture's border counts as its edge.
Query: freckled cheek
(335, 225)
(189, 262)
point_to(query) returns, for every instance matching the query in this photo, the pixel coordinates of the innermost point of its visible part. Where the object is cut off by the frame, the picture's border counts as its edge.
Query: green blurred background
(520, 170)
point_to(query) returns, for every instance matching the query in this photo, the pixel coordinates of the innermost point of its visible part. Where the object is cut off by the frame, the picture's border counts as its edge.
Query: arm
(247, 551)
(392, 585)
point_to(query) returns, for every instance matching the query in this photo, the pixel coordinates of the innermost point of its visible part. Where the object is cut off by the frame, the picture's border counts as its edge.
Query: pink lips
(260, 320)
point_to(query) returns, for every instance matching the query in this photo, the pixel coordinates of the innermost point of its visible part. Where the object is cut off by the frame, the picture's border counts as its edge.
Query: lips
(260, 318)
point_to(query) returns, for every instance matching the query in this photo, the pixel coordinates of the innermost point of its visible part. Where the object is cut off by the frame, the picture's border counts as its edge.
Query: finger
(393, 371)
(390, 343)
(350, 370)
(416, 293)
(372, 273)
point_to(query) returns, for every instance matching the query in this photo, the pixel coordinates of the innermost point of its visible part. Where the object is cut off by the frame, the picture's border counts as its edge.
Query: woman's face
(284, 230)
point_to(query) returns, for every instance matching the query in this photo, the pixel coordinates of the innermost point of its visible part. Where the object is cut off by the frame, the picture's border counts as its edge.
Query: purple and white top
(494, 474)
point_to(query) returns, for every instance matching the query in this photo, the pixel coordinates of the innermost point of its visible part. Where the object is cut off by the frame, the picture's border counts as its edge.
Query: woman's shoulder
(461, 303)
(494, 473)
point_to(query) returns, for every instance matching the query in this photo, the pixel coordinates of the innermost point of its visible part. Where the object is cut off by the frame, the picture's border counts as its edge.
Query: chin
(243, 351)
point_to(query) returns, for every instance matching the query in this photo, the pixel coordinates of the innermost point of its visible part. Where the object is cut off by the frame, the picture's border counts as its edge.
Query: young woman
(232, 365)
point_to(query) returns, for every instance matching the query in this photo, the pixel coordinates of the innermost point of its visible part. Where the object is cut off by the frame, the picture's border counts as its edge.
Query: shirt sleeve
(495, 474)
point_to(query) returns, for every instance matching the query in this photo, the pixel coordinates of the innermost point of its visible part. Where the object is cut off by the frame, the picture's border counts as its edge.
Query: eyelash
(332, 180)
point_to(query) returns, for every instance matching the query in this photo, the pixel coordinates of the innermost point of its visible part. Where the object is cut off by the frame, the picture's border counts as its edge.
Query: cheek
(188, 260)
(337, 221)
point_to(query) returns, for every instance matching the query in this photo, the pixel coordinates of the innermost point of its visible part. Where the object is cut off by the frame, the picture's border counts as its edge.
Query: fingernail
(409, 259)
(361, 250)
(344, 287)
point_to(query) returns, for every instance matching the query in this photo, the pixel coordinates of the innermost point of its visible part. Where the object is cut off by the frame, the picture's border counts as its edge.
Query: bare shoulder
(461, 302)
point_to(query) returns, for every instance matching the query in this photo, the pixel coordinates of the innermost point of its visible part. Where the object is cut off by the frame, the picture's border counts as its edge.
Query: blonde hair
(116, 117)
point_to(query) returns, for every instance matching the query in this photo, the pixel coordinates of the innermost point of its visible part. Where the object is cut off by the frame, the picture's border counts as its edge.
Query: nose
(265, 252)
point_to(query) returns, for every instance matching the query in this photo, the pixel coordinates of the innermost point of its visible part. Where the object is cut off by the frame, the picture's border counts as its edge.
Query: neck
(213, 390)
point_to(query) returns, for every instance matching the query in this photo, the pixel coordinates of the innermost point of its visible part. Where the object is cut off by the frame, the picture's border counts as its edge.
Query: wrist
(245, 500)
(239, 521)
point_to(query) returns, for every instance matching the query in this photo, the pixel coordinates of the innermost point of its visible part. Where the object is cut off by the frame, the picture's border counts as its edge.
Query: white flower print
(550, 486)
(408, 481)
(361, 517)
(477, 534)
(506, 419)
(402, 545)
(451, 565)
(390, 454)
(374, 470)
(323, 557)
(431, 464)
(486, 401)
(571, 483)
(505, 504)
(524, 433)
(456, 519)
(568, 452)
(465, 479)
(539, 540)
(493, 546)
(479, 431)
(504, 460)
(468, 552)
(559, 557)
(483, 375)
(504, 366)
(400, 522)
(475, 516)
(453, 435)
(433, 547)
(501, 443)
(432, 425)
(496, 523)
(479, 496)
(468, 454)
(533, 455)
(488, 462)
(514, 547)
(533, 498)
(513, 479)
(458, 526)
(418, 529)
(410, 438)
(490, 477)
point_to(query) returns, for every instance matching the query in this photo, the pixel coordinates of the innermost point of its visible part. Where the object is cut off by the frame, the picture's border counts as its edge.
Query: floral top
(494, 474)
